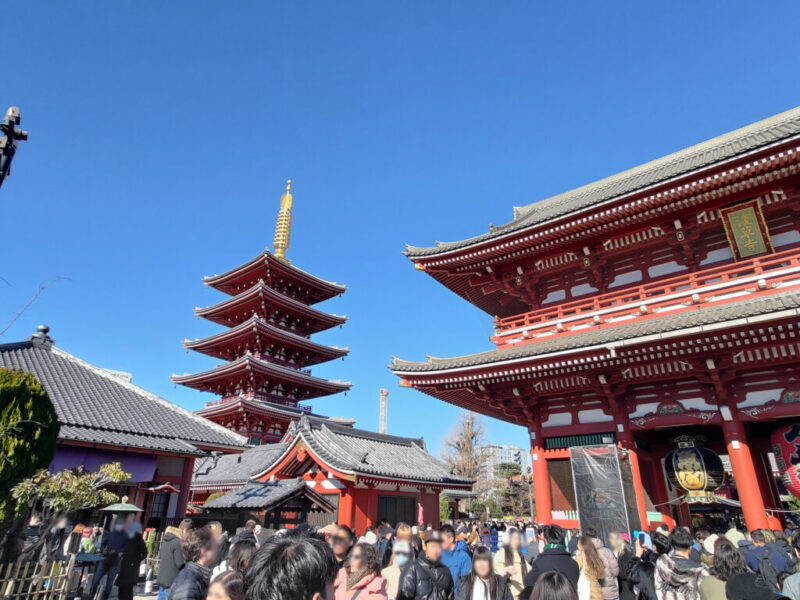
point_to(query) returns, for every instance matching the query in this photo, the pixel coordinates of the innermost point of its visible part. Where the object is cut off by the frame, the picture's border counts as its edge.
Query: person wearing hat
(401, 555)
(427, 578)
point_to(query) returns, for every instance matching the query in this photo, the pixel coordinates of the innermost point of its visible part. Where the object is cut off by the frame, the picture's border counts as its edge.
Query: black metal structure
(8, 143)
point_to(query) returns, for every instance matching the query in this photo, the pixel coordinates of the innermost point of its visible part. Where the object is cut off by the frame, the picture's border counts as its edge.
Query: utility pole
(8, 143)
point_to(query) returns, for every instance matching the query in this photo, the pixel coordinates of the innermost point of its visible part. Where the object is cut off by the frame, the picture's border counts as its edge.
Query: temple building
(269, 319)
(105, 418)
(365, 476)
(660, 302)
(354, 476)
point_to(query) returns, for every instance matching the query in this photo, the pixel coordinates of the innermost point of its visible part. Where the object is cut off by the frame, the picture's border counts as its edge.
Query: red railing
(759, 275)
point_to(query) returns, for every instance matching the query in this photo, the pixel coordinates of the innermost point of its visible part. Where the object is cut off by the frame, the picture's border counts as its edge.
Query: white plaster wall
(558, 419)
(786, 238)
(644, 409)
(594, 415)
(717, 256)
(665, 269)
(760, 397)
(625, 278)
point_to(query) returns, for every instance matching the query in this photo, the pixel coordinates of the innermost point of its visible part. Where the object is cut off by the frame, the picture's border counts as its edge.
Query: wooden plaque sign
(746, 230)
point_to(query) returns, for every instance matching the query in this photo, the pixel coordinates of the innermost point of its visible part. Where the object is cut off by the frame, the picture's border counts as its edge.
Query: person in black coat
(133, 554)
(641, 568)
(427, 578)
(554, 557)
(482, 574)
(200, 547)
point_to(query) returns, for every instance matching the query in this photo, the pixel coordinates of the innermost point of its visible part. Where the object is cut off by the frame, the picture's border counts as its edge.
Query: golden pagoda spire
(283, 228)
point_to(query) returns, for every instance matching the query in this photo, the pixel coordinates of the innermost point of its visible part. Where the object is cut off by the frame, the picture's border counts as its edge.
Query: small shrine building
(660, 301)
(366, 476)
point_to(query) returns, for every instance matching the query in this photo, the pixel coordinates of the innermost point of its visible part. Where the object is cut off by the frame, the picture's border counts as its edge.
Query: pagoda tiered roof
(262, 339)
(263, 301)
(251, 373)
(278, 274)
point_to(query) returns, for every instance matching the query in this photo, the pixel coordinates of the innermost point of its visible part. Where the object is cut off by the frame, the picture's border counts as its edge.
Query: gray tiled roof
(266, 495)
(232, 469)
(762, 133)
(367, 453)
(740, 309)
(100, 406)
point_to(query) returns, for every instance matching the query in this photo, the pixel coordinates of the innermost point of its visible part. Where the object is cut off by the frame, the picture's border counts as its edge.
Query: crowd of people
(457, 562)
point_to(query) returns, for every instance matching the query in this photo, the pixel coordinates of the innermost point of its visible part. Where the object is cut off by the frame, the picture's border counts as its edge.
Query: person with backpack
(427, 578)
(765, 561)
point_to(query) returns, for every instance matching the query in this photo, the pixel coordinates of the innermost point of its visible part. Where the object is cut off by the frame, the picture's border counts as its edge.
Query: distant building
(498, 455)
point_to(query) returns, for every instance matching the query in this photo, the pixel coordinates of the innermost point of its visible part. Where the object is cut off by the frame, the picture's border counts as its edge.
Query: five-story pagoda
(269, 318)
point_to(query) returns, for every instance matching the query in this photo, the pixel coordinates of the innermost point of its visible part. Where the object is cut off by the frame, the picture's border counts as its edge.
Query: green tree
(67, 491)
(444, 508)
(28, 434)
(507, 470)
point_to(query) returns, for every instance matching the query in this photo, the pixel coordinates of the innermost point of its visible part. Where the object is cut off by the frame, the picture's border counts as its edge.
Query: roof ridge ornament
(283, 227)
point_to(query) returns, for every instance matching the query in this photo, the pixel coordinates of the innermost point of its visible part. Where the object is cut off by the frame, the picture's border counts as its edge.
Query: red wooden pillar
(186, 482)
(627, 441)
(541, 477)
(661, 492)
(766, 483)
(372, 507)
(346, 506)
(361, 509)
(744, 473)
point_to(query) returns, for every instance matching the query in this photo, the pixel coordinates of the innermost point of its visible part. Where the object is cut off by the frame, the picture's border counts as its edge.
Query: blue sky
(162, 134)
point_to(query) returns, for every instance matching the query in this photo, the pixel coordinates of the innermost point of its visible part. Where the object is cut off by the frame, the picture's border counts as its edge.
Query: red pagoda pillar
(744, 474)
(541, 477)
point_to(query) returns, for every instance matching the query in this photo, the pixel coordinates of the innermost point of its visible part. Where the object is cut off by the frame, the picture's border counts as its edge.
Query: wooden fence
(36, 581)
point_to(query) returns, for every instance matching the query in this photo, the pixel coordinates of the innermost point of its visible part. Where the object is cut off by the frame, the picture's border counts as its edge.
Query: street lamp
(8, 143)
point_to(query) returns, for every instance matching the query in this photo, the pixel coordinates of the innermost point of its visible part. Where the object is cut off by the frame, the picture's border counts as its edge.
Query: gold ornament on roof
(283, 228)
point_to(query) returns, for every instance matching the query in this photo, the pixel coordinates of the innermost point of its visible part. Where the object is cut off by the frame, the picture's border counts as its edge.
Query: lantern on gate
(693, 468)
(786, 447)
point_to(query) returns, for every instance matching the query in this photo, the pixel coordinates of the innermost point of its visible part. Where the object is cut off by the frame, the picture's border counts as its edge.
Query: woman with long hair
(360, 575)
(553, 585)
(592, 569)
(727, 561)
(482, 583)
(239, 559)
(509, 562)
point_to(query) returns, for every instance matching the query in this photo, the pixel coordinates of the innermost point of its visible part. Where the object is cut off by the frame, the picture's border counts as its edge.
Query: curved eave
(242, 367)
(217, 312)
(262, 266)
(730, 146)
(256, 406)
(214, 344)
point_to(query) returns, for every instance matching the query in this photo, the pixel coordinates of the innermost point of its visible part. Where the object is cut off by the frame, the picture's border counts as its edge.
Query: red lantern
(786, 447)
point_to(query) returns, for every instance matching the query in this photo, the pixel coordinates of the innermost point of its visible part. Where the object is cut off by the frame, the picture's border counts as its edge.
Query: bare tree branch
(42, 287)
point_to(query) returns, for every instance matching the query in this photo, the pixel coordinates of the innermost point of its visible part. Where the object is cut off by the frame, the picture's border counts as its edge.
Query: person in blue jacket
(454, 554)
